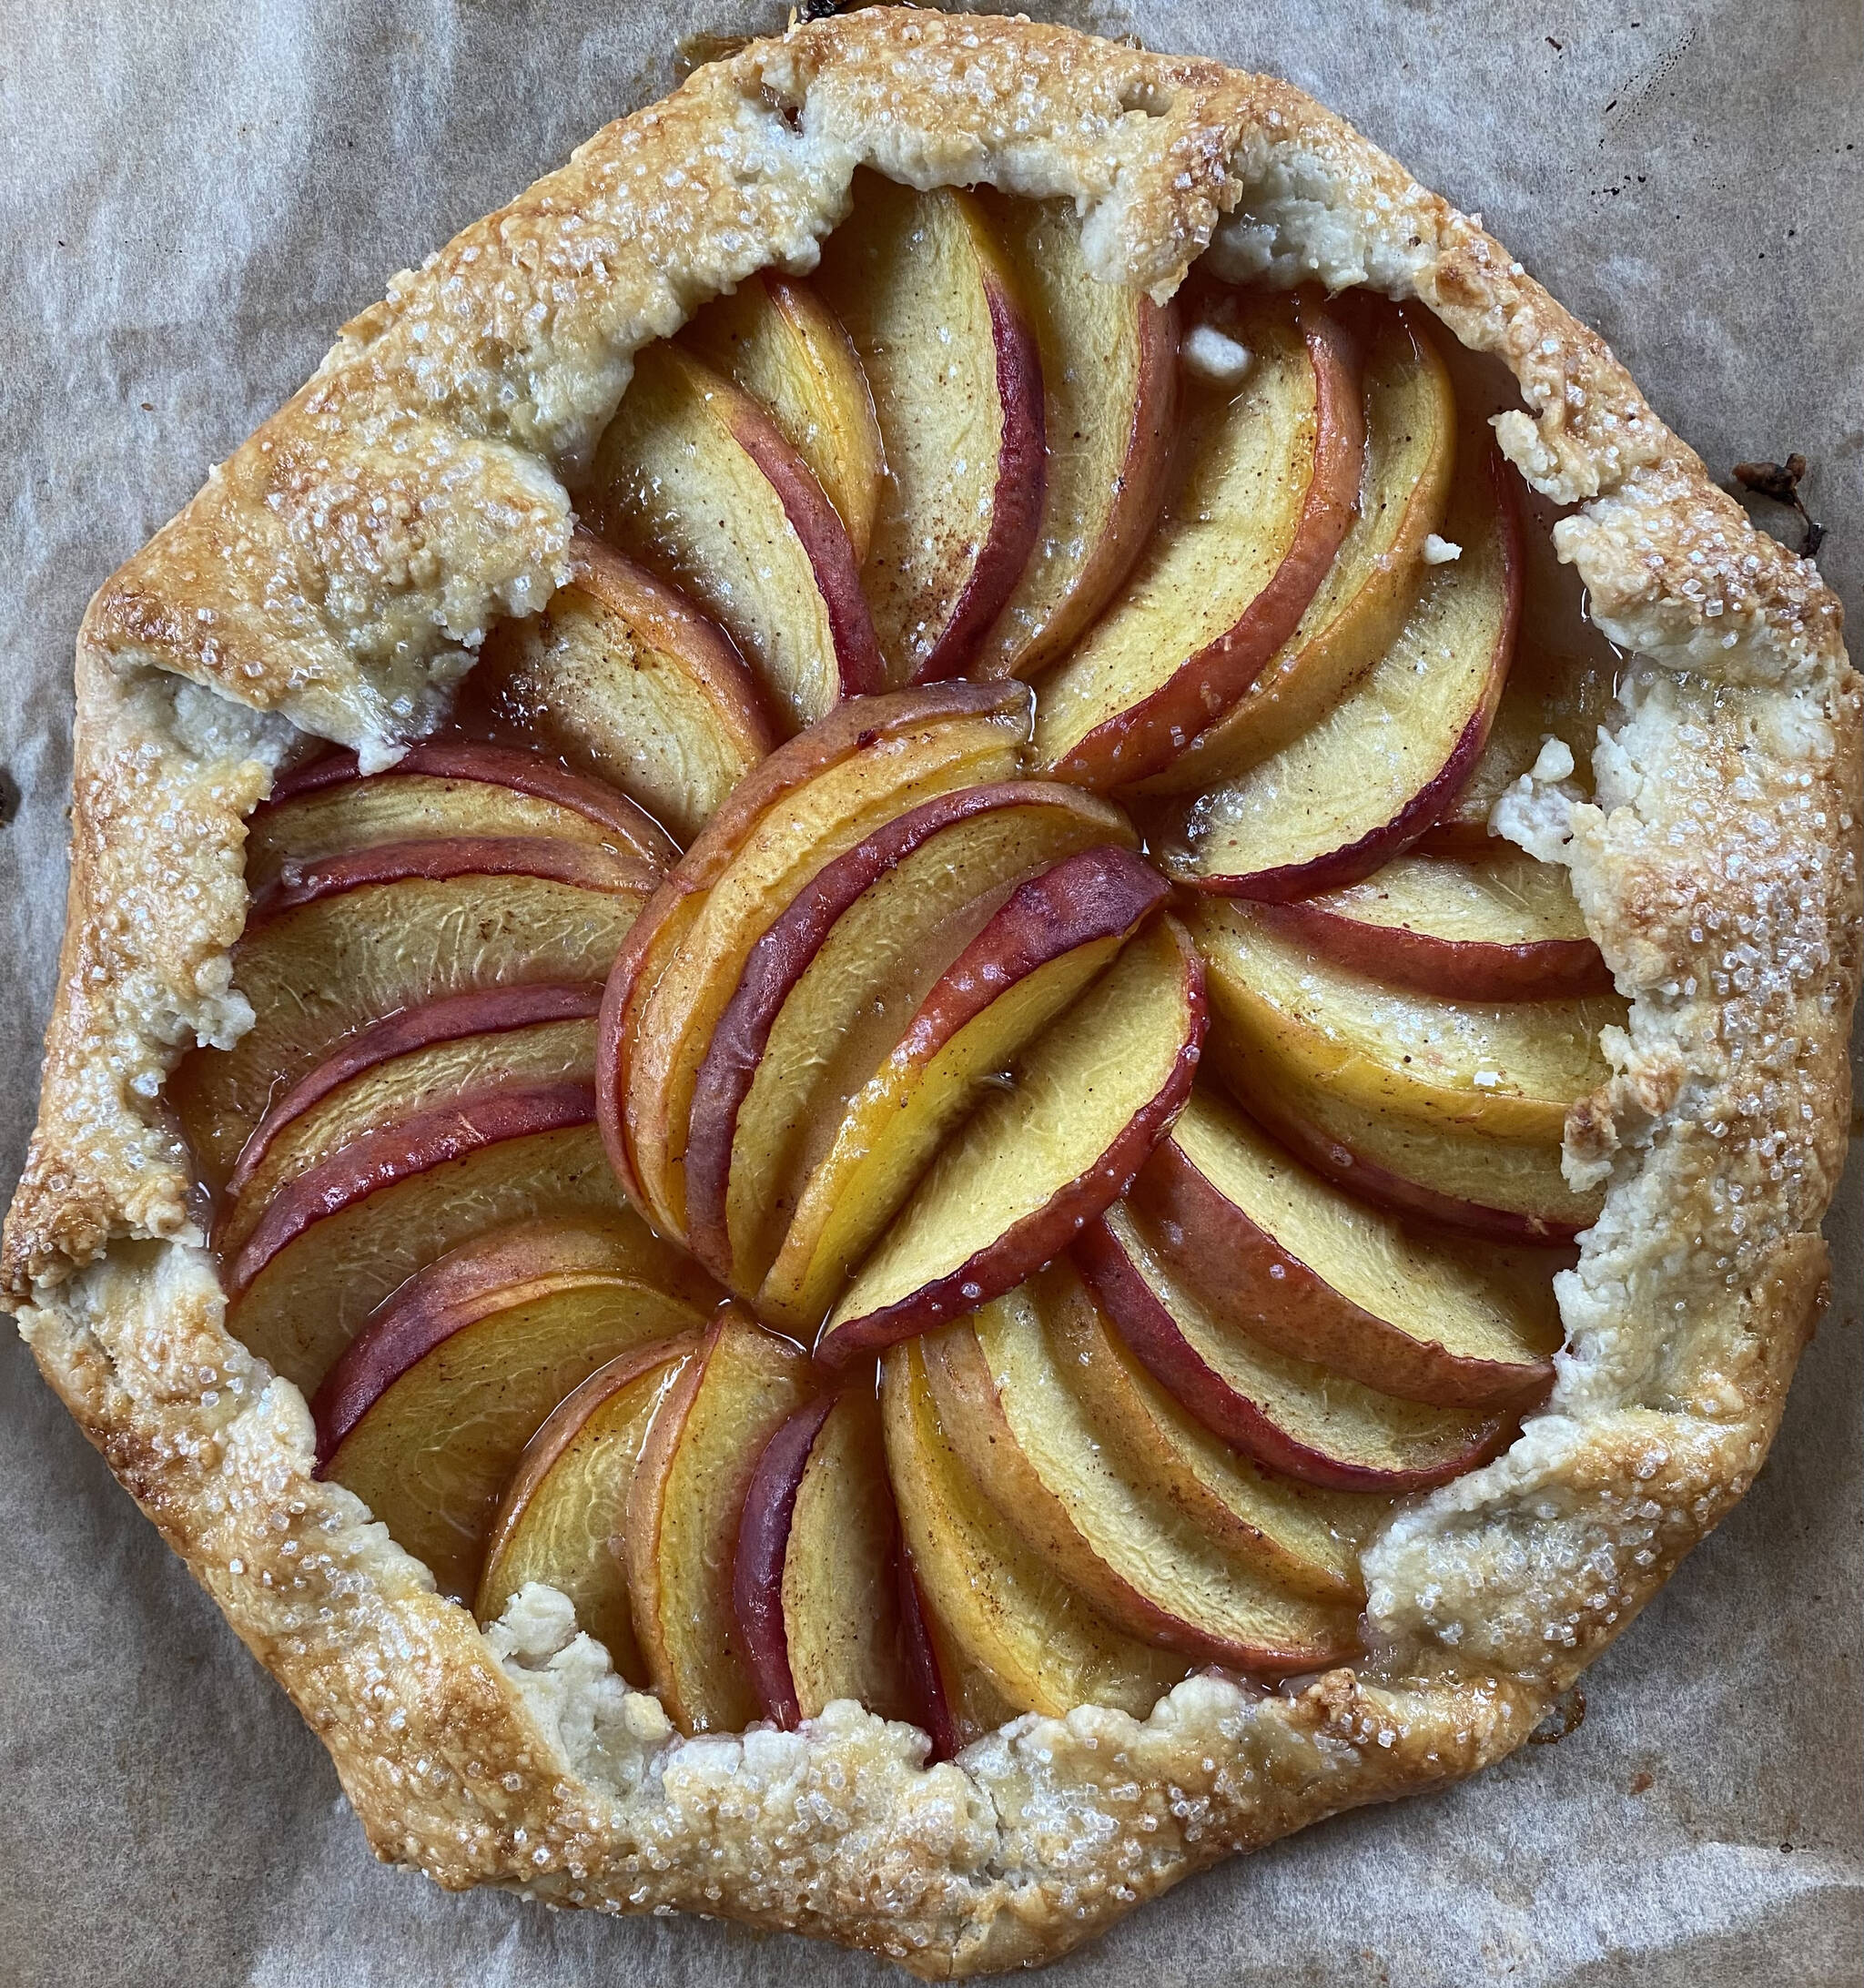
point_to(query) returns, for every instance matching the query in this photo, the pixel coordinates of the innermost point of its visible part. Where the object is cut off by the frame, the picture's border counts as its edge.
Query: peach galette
(875, 901)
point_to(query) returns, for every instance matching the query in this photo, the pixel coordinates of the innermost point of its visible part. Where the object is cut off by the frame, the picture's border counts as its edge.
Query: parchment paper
(192, 196)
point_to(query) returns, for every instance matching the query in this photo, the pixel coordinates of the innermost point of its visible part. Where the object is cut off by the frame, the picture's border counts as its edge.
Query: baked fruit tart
(955, 1002)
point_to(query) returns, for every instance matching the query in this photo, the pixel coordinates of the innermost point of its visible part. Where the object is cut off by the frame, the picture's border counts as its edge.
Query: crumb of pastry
(1214, 355)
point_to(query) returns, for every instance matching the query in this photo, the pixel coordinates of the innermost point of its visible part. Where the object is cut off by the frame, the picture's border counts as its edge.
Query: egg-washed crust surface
(333, 577)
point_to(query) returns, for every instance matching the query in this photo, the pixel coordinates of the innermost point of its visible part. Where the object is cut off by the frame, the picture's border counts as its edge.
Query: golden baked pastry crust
(334, 577)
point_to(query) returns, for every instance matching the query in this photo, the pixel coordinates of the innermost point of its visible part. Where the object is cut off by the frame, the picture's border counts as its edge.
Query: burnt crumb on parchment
(1565, 1718)
(1779, 482)
(9, 799)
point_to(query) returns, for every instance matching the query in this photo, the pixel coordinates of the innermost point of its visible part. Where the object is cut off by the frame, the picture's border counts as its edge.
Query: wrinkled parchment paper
(193, 195)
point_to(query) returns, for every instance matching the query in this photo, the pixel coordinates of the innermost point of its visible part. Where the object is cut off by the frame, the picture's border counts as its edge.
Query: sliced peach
(1509, 1190)
(1052, 937)
(1001, 1607)
(626, 679)
(1511, 1069)
(784, 346)
(697, 973)
(1495, 926)
(320, 971)
(1288, 1415)
(829, 989)
(683, 1509)
(840, 1585)
(937, 1710)
(815, 1582)
(958, 1702)
(606, 1242)
(442, 788)
(416, 1059)
(1410, 418)
(562, 1518)
(1363, 785)
(1309, 1540)
(1276, 1251)
(921, 287)
(770, 790)
(581, 864)
(694, 479)
(336, 1239)
(431, 1404)
(1110, 384)
(1242, 547)
(1010, 1413)
(1090, 1098)
(763, 1548)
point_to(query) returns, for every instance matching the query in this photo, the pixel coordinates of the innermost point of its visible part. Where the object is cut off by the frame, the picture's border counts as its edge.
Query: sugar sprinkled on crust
(336, 576)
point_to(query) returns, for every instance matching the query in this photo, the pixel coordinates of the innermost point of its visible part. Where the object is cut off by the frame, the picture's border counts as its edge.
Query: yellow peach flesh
(684, 1507)
(1003, 1610)
(432, 1455)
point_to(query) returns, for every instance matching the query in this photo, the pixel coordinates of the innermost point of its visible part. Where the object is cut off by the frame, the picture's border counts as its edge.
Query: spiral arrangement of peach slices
(995, 1222)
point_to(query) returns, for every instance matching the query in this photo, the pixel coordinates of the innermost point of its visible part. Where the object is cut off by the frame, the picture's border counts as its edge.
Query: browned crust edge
(414, 490)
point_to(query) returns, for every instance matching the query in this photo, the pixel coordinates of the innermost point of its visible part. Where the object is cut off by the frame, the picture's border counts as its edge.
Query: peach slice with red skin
(431, 1404)
(1409, 414)
(1305, 1539)
(1051, 937)
(958, 1700)
(1365, 782)
(936, 1711)
(1504, 1189)
(1016, 1420)
(783, 345)
(418, 1058)
(596, 1244)
(443, 856)
(685, 1505)
(694, 479)
(1110, 384)
(763, 1534)
(840, 1590)
(666, 993)
(1283, 1256)
(998, 1608)
(392, 1152)
(336, 1239)
(1244, 542)
(1090, 1098)
(1511, 1069)
(1289, 1416)
(337, 959)
(486, 1010)
(1496, 927)
(562, 1518)
(815, 1580)
(922, 287)
(826, 993)
(773, 784)
(624, 677)
(453, 787)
